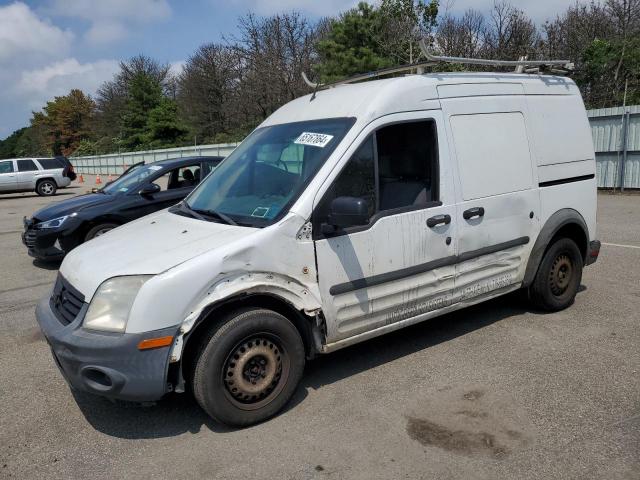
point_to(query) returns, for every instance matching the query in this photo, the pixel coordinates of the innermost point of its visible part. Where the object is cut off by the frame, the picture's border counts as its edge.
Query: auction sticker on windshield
(313, 139)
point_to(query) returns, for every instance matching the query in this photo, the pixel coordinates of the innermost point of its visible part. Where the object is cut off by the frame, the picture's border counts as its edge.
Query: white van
(347, 214)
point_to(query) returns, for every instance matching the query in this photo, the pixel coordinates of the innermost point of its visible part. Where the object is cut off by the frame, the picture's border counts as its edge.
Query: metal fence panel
(116, 163)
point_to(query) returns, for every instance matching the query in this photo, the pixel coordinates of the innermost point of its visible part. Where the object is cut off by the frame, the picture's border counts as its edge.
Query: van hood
(148, 246)
(71, 205)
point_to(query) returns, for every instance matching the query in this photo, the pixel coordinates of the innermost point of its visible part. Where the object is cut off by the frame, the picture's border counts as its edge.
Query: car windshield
(261, 178)
(130, 179)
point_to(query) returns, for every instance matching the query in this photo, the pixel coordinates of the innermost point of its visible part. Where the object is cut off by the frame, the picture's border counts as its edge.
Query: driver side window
(394, 170)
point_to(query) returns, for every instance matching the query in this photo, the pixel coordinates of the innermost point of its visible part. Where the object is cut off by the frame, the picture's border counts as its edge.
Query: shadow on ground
(34, 195)
(178, 414)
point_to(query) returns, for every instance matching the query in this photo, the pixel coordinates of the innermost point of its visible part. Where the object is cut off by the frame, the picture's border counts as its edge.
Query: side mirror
(348, 212)
(149, 189)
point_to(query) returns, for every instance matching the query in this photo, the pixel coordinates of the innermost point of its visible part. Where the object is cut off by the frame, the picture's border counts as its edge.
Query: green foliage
(610, 66)
(352, 45)
(65, 121)
(145, 94)
(164, 128)
(8, 146)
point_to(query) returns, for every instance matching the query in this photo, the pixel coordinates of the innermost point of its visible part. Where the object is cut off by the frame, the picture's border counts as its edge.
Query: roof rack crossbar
(366, 76)
(564, 64)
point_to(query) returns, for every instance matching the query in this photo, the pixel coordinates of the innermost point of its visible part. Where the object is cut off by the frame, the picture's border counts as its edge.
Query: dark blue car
(56, 229)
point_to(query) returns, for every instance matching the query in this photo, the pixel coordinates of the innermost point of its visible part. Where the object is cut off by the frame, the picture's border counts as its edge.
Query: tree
(163, 127)
(206, 90)
(352, 44)
(65, 121)
(113, 96)
(403, 24)
(144, 94)
(9, 145)
(273, 51)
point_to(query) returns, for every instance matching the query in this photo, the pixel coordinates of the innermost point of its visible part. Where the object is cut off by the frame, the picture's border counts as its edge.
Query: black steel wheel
(558, 278)
(247, 368)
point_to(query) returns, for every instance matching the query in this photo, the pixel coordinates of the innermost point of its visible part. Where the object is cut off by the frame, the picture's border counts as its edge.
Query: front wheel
(247, 369)
(99, 230)
(558, 278)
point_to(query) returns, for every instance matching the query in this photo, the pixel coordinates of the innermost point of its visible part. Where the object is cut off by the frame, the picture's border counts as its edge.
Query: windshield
(263, 176)
(130, 179)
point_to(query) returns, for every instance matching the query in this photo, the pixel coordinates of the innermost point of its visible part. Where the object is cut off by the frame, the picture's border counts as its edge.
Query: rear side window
(493, 153)
(26, 166)
(6, 167)
(50, 163)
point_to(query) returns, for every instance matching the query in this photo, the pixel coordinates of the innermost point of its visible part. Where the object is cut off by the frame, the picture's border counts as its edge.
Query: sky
(48, 47)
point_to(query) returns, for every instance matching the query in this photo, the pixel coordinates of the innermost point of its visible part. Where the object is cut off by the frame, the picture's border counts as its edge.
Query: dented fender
(230, 285)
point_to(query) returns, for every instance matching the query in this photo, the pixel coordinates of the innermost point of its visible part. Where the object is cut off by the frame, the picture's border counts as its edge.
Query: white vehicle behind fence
(348, 213)
(41, 175)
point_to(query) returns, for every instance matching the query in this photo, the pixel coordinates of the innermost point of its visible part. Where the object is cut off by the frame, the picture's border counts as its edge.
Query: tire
(247, 369)
(46, 188)
(99, 230)
(558, 278)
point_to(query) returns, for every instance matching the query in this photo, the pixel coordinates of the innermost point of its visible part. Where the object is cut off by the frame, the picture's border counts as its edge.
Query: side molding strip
(560, 181)
(424, 267)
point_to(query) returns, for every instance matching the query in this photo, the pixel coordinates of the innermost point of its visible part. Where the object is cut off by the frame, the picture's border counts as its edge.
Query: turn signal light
(155, 343)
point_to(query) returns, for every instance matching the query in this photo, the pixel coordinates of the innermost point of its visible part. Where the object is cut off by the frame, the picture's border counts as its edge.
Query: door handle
(439, 220)
(473, 212)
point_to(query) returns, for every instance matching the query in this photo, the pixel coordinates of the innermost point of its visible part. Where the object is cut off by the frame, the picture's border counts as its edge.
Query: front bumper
(106, 364)
(594, 251)
(47, 244)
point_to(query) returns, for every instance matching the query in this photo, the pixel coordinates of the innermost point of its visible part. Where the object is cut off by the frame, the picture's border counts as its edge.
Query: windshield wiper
(201, 214)
(213, 213)
(185, 208)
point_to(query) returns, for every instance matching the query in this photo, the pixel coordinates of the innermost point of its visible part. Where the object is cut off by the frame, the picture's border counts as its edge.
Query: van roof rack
(522, 65)
(561, 67)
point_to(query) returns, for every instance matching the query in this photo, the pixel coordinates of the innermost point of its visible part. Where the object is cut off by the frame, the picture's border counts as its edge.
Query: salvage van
(348, 213)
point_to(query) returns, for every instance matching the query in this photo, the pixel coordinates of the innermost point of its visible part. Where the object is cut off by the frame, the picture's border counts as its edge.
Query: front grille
(66, 301)
(30, 239)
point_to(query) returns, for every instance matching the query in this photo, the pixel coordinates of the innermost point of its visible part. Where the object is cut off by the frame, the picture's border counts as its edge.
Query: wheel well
(212, 314)
(40, 180)
(574, 232)
(97, 221)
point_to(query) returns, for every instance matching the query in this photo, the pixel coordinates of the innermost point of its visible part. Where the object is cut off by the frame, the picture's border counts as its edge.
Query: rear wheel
(247, 369)
(99, 230)
(559, 275)
(46, 188)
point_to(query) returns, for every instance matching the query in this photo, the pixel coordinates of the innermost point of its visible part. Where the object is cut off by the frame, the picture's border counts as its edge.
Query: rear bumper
(63, 182)
(593, 253)
(106, 364)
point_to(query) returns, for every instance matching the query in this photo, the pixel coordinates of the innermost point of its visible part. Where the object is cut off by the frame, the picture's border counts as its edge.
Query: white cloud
(312, 7)
(111, 20)
(23, 33)
(175, 68)
(106, 32)
(59, 77)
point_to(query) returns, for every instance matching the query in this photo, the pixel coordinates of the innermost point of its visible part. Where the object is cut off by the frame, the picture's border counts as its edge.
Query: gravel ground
(493, 391)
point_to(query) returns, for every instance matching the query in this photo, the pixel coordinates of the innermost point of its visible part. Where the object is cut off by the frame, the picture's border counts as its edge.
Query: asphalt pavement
(494, 391)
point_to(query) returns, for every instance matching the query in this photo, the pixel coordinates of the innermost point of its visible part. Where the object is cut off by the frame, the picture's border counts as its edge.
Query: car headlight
(54, 222)
(110, 306)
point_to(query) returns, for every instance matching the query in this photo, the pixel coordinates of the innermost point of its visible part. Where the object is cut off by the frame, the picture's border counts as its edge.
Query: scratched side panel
(391, 244)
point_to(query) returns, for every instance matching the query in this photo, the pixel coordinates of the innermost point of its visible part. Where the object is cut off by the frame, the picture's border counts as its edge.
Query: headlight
(110, 306)
(54, 222)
